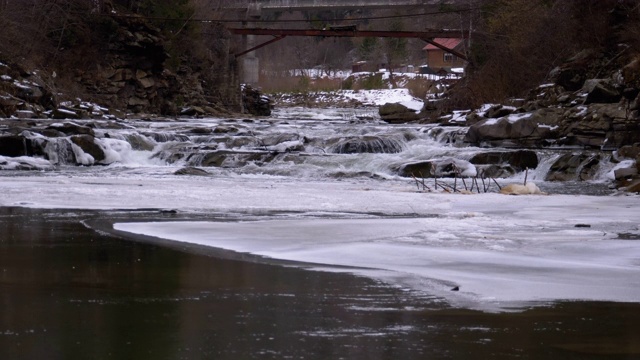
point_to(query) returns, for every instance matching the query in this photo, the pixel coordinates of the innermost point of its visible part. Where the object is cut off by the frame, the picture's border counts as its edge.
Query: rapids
(307, 143)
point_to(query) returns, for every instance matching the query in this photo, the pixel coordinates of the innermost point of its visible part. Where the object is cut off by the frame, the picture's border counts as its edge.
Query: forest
(513, 46)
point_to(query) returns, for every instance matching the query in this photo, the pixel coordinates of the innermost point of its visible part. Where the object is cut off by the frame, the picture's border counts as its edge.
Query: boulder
(570, 78)
(62, 113)
(629, 151)
(71, 128)
(632, 185)
(518, 160)
(624, 173)
(397, 113)
(448, 167)
(88, 145)
(601, 91)
(498, 111)
(19, 145)
(254, 102)
(190, 170)
(496, 171)
(524, 129)
(572, 74)
(367, 144)
(571, 166)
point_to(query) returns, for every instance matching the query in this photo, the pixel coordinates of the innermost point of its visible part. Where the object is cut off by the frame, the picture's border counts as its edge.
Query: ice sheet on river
(500, 250)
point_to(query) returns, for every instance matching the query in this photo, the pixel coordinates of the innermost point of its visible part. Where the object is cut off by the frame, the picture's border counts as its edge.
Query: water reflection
(69, 292)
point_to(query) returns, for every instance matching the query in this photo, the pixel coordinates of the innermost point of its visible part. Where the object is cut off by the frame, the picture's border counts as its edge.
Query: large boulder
(601, 91)
(254, 102)
(500, 164)
(19, 145)
(89, 146)
(397, 113)
(367, 144)
(525, 129)
(71, 128)
(448, 167)
(574, 166)
(190, 170)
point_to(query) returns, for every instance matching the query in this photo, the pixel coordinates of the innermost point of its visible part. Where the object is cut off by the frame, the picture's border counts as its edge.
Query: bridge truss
(280, 34)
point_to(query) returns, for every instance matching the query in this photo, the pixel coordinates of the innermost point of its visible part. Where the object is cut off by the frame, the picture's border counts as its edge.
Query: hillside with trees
(173, 57)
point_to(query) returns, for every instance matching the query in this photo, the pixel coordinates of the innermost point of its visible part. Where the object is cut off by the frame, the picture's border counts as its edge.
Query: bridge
(283, 5)
(251, 11)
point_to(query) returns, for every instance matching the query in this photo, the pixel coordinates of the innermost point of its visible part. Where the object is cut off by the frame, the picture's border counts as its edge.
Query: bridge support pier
(250, 62)
(250, 69)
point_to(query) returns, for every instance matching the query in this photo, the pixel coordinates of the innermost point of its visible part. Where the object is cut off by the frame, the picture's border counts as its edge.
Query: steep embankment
(130, 71)
(591, 102)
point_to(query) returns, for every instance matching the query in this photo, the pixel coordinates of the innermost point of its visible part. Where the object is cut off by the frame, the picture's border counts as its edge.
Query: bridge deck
(280, 5)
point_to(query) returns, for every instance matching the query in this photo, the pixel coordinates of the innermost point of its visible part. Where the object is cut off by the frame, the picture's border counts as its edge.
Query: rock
(503, 164)
(25, 114)
(140, 142)
(601, 91)
(146, 82)
(449, 167)
(519, 160)
(214, 159)
(192, 171)
(71, 128)
(136, 101)
(632, 186)
(498, 111)
(367, 144)
(19, 145)
(625, 173)
(629, 151)
(572, 74)
(223, 129)
(89, 146)
(192, 111)
(579, 166)
(201, 131)
(397, 113)
(62, 113)
(526, 129)
(496, 171)
(254, 102)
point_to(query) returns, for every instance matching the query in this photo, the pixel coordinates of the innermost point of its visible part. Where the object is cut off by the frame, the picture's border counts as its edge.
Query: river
(289, 249)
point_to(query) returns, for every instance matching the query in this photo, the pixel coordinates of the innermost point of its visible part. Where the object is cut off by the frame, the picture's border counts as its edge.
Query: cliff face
(131, 72)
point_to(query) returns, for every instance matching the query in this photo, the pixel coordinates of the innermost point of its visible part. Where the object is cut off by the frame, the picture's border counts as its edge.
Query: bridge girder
(290, 5)
(280, 34)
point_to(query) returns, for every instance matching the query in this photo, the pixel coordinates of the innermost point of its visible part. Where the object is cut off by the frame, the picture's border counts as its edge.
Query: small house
(438, 59)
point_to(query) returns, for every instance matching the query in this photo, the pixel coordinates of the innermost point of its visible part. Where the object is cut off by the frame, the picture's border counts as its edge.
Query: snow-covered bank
(381, 97)
(339, 98)
(502, 251)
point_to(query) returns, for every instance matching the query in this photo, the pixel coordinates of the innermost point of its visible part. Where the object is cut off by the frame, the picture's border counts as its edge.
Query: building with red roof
(439, 60)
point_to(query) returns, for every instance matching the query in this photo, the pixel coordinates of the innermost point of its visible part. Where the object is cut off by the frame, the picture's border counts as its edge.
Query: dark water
(69, 292)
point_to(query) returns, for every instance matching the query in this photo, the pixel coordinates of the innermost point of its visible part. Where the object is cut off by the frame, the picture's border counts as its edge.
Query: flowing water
(296, 143)
(72, 287)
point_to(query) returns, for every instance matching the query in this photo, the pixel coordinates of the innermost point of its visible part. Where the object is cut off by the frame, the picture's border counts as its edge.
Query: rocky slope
(591, 105)
(131, 77)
